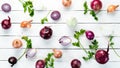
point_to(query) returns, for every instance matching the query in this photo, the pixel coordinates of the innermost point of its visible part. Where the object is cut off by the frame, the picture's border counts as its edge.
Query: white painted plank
(63, 29)
(57, 4)
(104, 17)
(31, 64)
(38, 42)
(42, 53)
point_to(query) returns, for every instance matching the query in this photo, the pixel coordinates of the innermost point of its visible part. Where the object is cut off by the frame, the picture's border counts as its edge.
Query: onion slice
(65, 40)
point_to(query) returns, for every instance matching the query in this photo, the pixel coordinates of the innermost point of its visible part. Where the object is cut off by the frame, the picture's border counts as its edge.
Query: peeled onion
(65, 40)
(6, 7)
(31, 53)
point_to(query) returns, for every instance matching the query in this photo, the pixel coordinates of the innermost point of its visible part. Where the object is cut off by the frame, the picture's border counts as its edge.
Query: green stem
(115, 51)
(22, 54)
(48, 13)
(21, 1)
(82, 46)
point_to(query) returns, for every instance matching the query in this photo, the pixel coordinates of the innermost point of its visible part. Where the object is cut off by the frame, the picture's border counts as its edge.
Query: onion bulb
(17, 43)
(112, 8)
(57, 53)
(26, 24)
(6, 7)
(72, 22)
(65, 40)
(31, 53)
(66, 3)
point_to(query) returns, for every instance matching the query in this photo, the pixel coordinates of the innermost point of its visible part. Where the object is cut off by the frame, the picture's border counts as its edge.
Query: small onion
(66, 3)
(112, 8)
(57, 53)
(31, 53)
(72, 22)
(65, 40)
(6, 7)
(26, 24)
(17, 43)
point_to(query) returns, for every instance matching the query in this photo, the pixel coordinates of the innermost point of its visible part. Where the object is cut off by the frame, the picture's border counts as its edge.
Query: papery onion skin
(65, 40)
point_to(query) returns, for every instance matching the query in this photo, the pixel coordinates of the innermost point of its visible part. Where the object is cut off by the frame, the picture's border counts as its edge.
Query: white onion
(65, 40)
(72, 22)
(31, 53)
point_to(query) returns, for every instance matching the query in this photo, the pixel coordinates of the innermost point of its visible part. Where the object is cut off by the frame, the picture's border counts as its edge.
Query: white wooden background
(107, 24)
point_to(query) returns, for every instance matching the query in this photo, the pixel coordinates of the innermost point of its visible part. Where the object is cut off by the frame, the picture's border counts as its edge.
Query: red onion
(65, 40)
(6, 23)
(96, 5)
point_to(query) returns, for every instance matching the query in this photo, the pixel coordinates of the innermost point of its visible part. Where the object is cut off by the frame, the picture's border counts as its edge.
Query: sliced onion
(31, 53)
(72, 22)
(65, 40)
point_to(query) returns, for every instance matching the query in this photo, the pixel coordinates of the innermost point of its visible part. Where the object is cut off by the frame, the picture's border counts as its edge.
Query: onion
(6, 7)
(66, 3)
(26, 24)
(72, 22)
(55, 15)
(65, 40)
(112, 8)
(57, 53)
(31, 53)
(96, 5)
(17, 43)
(6, 23)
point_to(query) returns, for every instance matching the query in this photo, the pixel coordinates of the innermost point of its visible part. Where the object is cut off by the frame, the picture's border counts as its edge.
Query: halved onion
(65, 40)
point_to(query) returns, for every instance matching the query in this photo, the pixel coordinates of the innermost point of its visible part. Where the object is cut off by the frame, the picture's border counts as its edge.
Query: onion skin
(112, 8)
(17, 43)
(26, 24)
(57, 53)
(66, 3)
(96, 5)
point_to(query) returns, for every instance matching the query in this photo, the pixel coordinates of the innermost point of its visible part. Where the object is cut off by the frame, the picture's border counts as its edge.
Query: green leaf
(29, 42)
(94, 15)
(44, 20)
(76, 44)
(85, 7)
(111, 37)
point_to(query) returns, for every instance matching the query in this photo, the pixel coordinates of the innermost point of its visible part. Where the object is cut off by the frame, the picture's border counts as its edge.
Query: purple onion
(90, 35)
(65, 40)
(6, 7)
(55, 15)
